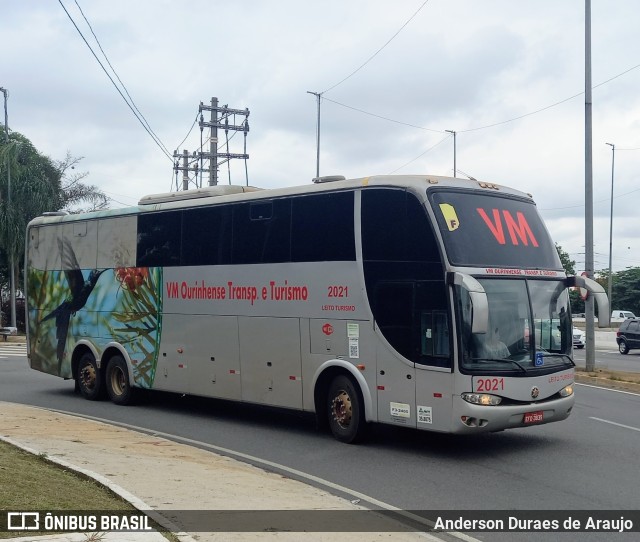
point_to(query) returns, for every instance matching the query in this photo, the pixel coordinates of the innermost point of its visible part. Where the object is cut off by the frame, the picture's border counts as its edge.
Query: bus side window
(262, 232)
(322, 228)
(206, 236)
(159, 239)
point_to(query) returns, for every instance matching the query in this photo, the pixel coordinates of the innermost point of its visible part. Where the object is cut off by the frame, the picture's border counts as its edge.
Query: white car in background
(579, 339)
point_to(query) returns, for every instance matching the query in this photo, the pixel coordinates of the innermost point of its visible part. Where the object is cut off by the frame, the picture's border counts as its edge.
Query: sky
(508, 77)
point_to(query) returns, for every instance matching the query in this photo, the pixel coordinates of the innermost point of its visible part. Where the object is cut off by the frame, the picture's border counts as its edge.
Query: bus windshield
(529, 327)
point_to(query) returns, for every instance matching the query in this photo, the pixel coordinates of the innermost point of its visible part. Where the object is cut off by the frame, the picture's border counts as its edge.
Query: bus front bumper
(469, 418)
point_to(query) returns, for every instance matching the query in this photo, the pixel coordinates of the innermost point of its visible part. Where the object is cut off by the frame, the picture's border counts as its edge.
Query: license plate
(533, 417)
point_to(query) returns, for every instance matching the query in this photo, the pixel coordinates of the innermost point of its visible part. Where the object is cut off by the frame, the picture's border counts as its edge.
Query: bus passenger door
(434, 362)
(270, 361)
(396, 372)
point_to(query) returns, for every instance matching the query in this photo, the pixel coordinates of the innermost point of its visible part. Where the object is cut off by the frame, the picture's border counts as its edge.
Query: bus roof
(234, 193)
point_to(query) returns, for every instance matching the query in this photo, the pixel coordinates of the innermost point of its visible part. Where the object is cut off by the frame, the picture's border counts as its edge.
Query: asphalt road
(588, 462)
(611, 359)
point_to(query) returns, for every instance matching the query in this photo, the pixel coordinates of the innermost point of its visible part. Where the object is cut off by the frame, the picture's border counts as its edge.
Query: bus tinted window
(159, 239)
(261, 232)
(206, 236)
(395, 228)
(404, 276)
(322, 228)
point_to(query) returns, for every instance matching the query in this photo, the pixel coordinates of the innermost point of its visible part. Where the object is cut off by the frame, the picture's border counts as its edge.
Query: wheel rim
(118, 382)
(88, 376)
(341, 409)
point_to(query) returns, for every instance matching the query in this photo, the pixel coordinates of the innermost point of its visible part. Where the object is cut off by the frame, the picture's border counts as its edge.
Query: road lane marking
(616, 424)
(608, 389)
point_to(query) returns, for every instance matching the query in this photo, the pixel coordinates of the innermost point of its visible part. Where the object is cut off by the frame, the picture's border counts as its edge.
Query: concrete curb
(115, 488)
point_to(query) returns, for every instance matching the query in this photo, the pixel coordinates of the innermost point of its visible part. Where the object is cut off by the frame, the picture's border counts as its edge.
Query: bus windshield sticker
(450, 216)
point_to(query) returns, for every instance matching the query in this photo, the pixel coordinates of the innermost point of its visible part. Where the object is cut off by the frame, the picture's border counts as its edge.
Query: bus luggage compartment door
(270, 363)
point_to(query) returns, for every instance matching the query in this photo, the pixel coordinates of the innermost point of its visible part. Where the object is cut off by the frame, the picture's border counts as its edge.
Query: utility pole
(213, 143)
(185, 167)
(610, 285)
(590, 354)
(454, 150)
(12, 269)
(219, 119)
(185, 170)
(317, 95)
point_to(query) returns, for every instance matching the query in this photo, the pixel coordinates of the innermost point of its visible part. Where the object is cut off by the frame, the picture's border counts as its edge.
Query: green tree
(568, 264)
(78, 197)
(38, 184)
(576, 301)
(35, 187)
(625, 291)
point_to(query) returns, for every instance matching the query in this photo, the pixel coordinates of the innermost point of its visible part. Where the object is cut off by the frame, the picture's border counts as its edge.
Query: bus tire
(89, 378)
(345, 410)
(117, 380)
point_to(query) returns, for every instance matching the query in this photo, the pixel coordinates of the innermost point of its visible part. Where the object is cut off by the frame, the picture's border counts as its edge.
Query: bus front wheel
(89, 378)
(117, 380)
(345, 410)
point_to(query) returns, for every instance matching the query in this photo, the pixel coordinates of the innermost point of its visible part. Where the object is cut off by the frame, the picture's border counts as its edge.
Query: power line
(378, 51)
(153, 136)
(189, 132)
(384, 118)
(495, 123)
(420, 155)
(118, 77)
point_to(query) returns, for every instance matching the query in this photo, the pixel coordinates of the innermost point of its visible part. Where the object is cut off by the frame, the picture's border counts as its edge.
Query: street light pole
(12, 271)
(317, 95)
(590, 347)
(613, 162)
(454, 150)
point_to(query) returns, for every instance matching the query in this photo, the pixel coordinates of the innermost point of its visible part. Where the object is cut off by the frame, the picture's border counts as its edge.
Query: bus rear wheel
(89, 378)
(117, 380)
(345, 410)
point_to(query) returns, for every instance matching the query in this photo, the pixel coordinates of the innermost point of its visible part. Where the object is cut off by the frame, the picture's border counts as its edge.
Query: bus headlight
(566, 391)
(484, 399)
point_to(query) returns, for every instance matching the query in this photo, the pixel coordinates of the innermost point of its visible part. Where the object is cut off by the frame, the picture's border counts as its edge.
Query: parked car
(579, 339)
(628, 336)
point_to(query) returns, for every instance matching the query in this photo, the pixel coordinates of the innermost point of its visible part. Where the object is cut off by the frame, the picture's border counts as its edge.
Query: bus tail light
(484, 399)
(566, 391)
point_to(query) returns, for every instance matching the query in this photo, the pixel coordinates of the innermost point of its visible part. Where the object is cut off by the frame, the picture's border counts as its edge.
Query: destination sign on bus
(493, 230)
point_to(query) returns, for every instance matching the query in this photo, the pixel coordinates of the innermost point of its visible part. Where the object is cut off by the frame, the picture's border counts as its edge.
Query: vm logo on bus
(327, 329)
(517, 228)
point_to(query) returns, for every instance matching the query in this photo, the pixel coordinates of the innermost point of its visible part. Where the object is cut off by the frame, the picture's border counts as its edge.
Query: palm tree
(35, 188)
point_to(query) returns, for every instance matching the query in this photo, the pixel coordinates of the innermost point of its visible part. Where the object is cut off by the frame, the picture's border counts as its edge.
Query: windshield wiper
(502, 360)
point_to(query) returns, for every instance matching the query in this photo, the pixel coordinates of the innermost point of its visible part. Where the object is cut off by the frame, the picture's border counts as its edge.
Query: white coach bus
(427, 302)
